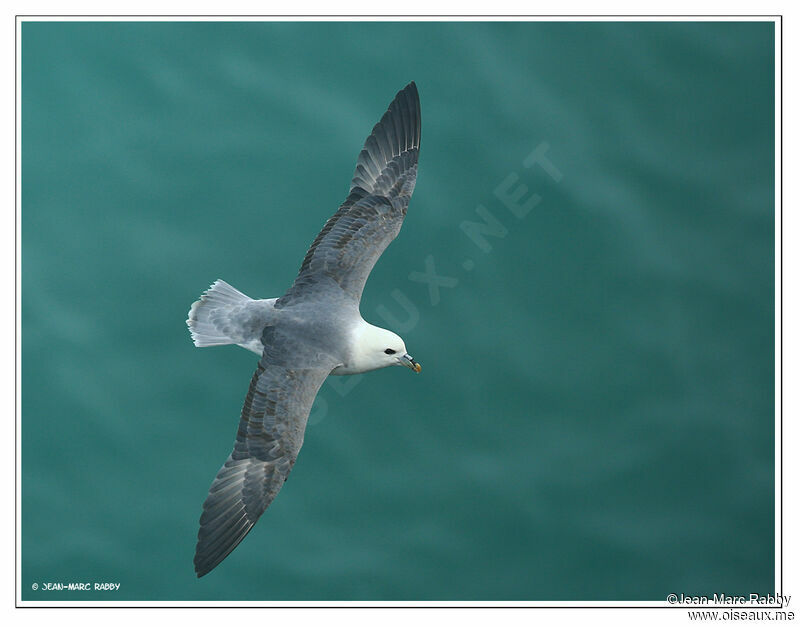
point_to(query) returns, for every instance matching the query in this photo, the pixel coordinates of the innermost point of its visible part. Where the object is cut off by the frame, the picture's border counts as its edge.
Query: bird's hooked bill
(409, 362)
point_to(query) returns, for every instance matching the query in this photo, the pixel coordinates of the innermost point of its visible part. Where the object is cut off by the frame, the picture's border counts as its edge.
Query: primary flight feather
(312, 331)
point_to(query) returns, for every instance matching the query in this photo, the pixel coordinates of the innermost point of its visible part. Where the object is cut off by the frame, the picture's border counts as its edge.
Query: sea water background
(595, 416)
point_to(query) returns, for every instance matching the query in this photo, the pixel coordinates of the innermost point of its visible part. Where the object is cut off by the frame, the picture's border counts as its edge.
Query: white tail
(209, 317)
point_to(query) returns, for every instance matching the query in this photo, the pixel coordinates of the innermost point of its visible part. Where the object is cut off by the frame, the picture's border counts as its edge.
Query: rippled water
(594, 420)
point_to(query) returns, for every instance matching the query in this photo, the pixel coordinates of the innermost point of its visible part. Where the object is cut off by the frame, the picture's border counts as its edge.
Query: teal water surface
(595, 415)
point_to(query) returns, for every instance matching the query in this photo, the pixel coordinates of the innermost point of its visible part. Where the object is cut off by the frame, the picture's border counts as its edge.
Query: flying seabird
(312, 331)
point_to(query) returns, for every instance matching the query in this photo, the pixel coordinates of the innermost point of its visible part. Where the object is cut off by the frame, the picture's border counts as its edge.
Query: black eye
(389, 351)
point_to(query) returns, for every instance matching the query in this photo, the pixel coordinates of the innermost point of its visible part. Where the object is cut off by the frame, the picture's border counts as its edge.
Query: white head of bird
(374, 348)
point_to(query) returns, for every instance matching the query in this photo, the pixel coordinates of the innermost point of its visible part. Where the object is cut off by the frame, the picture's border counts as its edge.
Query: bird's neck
(364, 349)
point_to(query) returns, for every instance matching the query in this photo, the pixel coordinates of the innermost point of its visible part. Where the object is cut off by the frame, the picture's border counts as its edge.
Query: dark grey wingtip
(405, 108)
(397, 134)
(212, 549)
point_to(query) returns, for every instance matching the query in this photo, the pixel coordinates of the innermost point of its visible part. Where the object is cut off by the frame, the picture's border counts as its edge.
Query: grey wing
(268, 440)
(352, 240)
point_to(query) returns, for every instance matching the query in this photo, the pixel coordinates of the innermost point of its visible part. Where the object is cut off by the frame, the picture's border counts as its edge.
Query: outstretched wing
(270, 435)
(347, 248)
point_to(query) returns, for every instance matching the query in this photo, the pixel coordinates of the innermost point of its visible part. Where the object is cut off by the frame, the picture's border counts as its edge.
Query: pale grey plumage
(348, 246)
(269, 437)
(305, 334)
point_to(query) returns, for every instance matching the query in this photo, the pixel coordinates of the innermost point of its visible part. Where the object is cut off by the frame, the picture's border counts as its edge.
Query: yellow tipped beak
(410, 363)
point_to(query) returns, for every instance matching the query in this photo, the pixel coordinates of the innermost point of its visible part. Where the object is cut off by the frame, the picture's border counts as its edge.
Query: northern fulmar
(312, 331)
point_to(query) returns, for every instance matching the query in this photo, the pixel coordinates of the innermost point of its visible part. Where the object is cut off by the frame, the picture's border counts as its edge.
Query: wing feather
(268, 439)
(348, 246)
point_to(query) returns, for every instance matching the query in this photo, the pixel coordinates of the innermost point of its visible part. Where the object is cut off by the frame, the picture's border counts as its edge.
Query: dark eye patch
(389, 351)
